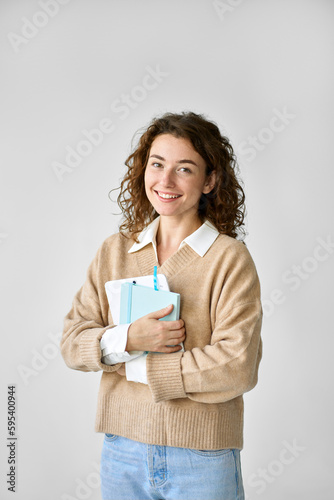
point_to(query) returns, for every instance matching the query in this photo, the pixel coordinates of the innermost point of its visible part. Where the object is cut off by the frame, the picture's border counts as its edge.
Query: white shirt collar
(200, 240)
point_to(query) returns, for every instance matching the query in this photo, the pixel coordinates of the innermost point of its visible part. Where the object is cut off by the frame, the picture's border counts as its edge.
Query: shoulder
(230, 247)
(231, 257)
(236, 270)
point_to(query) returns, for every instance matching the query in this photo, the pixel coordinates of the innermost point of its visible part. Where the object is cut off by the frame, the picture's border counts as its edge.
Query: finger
(174, 342)
(172, 338)
(161, 313)
(168, 349)
(173, 325)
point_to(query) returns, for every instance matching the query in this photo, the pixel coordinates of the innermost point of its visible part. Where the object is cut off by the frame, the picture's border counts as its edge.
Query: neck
(171, 232)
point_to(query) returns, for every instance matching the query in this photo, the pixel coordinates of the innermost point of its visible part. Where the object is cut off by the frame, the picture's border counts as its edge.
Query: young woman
(173, 419)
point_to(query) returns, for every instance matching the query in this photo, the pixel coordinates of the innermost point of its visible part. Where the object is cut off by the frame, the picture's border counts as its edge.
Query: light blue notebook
(139, 300)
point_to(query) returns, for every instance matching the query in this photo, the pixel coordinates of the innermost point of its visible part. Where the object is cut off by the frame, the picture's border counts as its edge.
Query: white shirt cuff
(136, 370)
(113, 345)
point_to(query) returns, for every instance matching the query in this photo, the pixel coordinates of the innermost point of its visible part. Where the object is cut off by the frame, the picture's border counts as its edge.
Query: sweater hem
(165, 426)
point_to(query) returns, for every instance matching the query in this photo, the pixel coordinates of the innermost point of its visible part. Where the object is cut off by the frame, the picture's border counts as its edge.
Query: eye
(186, 170)
(156, 164)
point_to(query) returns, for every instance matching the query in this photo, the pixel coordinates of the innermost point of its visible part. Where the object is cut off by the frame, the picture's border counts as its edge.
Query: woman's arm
(86, 323)
(228, 366)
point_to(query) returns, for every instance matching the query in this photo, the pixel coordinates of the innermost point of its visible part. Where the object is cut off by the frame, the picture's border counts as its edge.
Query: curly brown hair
(223, 206)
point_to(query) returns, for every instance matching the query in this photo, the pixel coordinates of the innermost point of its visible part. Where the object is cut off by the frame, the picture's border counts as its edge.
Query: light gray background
(241, 64)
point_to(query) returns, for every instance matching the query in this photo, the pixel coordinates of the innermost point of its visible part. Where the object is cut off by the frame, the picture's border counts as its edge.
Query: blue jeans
(138, 471)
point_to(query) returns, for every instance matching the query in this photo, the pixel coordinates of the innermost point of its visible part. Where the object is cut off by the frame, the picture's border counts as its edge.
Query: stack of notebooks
(132, 298)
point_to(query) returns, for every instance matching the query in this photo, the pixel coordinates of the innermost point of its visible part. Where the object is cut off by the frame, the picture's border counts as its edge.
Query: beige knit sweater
(194, 398)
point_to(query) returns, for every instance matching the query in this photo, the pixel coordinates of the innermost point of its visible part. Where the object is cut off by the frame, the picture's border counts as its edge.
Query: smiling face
(175, 178)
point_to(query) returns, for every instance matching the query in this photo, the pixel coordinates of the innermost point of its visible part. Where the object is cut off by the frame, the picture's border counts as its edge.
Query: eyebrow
(180, 161)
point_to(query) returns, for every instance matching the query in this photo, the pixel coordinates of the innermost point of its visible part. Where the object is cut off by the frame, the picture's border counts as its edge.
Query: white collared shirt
(114, 340)
(200, 240)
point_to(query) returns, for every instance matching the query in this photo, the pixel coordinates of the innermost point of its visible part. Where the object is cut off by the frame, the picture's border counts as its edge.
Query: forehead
(174, 148)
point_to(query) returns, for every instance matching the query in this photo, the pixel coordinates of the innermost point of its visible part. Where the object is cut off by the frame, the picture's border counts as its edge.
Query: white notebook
(113, 291)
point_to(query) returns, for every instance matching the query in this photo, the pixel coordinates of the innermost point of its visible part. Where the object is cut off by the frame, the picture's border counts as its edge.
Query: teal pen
(155, 278)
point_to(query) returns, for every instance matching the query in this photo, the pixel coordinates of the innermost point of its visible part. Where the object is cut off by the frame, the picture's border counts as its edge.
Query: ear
(209, 183)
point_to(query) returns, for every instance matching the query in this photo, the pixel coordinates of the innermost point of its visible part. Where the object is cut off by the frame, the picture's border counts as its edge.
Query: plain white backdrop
(263, 71)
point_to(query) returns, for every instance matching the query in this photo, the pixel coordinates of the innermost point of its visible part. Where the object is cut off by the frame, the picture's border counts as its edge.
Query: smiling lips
(168, 196)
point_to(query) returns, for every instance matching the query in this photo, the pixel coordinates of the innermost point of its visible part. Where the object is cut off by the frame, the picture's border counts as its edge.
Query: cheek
(150, 179)
(147, 183)
(195, 188)
(146, 178)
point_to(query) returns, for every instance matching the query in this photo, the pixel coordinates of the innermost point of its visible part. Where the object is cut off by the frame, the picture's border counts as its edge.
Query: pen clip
(155, 278)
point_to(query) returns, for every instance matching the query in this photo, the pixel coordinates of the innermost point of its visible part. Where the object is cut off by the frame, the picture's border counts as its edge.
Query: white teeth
(163, 195)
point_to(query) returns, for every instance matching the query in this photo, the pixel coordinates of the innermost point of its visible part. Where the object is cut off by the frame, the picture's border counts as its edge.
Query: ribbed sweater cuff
(90, 351)
(164, 376)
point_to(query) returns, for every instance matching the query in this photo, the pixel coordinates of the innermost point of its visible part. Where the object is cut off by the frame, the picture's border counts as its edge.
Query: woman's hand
(150, 334)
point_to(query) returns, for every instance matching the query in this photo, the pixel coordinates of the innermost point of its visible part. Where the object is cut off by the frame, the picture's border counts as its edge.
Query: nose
(167, 179)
